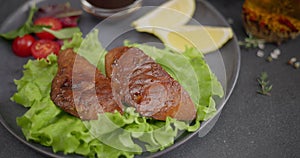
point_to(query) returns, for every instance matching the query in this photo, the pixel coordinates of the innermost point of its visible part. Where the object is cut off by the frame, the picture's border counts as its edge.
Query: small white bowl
(104, 12)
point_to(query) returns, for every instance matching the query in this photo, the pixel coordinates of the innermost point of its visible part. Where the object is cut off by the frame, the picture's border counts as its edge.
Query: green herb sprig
(27, 28)
(264, 84)
(251, 42)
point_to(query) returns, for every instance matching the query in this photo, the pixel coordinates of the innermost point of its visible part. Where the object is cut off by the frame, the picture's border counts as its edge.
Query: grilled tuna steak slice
(80, 89)
(112, 57)
(140, 82)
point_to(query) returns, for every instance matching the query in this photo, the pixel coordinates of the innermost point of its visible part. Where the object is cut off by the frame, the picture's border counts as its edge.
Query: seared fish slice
(140, 82)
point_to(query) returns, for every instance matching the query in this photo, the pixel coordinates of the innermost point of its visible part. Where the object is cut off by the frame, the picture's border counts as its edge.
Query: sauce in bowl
(106, 8)
(110, 4)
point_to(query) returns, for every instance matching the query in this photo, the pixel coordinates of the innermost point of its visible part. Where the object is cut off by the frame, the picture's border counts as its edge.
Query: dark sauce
(110, 4)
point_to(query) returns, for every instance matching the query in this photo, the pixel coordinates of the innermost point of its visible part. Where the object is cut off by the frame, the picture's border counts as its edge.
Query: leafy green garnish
(265, 87)
(26, 28)
(92, 50)
(251, 42)
(74, 43)
(64, 33)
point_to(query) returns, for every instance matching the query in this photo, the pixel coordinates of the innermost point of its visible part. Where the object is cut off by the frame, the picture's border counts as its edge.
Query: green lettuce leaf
(35, 84)
(89, 48)
(74, 43)
(92, 50)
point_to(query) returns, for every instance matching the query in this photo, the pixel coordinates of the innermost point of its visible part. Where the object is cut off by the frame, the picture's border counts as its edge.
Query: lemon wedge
(205, 38)
(171, 13)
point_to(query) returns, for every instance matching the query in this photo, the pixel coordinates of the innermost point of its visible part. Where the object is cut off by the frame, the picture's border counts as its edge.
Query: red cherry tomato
(42, 48)
(54, 24)
(21, 45)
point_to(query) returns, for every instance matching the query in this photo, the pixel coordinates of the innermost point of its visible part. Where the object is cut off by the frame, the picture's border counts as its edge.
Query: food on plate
(21, 46)
(205, 38)
(80, 89)
(138, 81)
(52, 23)
(169, 14)
(42, 48)
(112, 134)
(143, 85)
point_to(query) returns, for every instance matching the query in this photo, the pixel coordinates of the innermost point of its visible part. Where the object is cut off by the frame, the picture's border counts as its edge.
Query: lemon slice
(205, 38)
(172, 13)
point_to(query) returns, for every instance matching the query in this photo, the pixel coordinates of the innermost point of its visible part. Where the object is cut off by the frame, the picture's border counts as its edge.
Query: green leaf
(35, 83)
(65, 33)
(26, 28)
(264, 84)
(74, 43)
(92, 50)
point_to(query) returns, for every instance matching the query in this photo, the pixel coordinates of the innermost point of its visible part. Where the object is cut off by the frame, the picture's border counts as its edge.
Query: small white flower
(261, 45)
(260, 53)
(277, 51)
(274, 55)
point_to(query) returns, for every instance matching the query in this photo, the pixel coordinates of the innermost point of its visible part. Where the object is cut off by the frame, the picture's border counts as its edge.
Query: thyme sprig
(251, 42)
(265, 86)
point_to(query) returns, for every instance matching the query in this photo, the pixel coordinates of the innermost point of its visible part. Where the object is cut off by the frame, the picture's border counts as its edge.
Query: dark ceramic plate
(225, 63)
